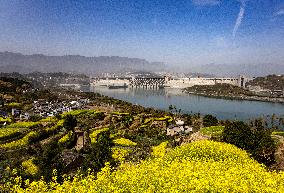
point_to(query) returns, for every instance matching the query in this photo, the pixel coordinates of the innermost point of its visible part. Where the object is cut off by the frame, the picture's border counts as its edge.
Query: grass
(213, 131)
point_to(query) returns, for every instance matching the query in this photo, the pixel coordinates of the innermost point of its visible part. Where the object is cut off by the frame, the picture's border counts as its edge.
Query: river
(221, 108)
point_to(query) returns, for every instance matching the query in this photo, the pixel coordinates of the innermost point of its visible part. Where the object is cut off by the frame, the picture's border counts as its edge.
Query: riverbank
(225, 91)
(248, 98)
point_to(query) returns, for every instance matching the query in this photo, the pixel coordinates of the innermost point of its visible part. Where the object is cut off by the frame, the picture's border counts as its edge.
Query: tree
(171, 108)
(70, 122)
(239, 134)
(210, 120)
(99, 153)
(257, 142)
(47, 160)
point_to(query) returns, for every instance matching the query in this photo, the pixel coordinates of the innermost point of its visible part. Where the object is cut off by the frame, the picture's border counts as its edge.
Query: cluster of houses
(45, 109)
(178, 128)
(49, 109)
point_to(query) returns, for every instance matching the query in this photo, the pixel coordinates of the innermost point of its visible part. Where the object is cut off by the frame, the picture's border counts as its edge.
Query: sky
(182, 32)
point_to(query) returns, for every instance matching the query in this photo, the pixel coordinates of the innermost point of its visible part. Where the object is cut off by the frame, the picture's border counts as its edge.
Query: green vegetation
(271, 82)
(99, 152)
(210, 120)
(70, 122)
(214, 131)
(219, 90)
(257, 142)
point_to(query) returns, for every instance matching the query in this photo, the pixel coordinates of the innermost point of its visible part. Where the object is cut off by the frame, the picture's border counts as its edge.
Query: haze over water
(221, 108)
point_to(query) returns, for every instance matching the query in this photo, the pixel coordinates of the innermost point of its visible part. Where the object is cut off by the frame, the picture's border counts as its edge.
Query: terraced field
(31, 147)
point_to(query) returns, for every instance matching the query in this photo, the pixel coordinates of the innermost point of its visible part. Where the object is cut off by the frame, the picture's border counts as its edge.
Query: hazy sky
(186, 32)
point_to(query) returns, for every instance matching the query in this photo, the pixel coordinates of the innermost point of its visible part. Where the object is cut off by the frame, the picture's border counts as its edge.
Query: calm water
(222, 109)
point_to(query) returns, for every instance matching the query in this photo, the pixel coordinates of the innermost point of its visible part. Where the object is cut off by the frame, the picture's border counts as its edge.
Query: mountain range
(16, 62)
(251, 70)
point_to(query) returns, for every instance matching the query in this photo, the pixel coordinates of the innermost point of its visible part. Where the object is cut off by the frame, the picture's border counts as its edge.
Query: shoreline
(241, 98)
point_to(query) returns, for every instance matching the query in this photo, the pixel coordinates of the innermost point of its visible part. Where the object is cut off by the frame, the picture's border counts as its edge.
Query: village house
(178, 129)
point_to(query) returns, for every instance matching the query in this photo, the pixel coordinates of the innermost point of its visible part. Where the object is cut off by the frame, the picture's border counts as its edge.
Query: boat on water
(117, 86)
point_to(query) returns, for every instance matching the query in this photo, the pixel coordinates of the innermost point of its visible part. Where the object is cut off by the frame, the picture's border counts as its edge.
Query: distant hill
(271, 82)
(16, 62)
(13, 85)
(242, 69)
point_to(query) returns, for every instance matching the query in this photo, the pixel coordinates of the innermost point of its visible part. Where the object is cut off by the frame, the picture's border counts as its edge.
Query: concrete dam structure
(161, 82)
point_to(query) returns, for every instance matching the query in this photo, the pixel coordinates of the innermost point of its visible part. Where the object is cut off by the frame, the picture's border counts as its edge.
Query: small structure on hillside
(4, 114)
(173, 130)
(81, 139)
(24, 116)
(161, 124)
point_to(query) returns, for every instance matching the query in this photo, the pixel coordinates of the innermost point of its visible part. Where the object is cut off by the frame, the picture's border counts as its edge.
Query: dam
(162, 82)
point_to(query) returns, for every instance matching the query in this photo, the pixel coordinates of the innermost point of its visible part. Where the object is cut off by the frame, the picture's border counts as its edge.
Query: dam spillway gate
(152, 82)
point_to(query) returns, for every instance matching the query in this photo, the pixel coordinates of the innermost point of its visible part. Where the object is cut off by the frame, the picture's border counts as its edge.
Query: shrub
(213, 131)
(70, 122)
(100, 151)
(258, 142)
(210, 120)
(47, 160)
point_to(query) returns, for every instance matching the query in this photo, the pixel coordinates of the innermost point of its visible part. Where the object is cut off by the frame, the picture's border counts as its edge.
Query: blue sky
(183, 32)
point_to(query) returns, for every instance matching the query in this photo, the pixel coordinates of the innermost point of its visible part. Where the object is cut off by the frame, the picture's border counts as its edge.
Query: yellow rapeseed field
(203, 166)
(19, 143)
(66, 137)
(124, 142)
(95, 133)
(29, 167)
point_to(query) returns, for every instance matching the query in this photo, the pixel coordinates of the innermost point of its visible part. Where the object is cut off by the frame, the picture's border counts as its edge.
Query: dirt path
(279, 154)
(104, 108)
(80, 143)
